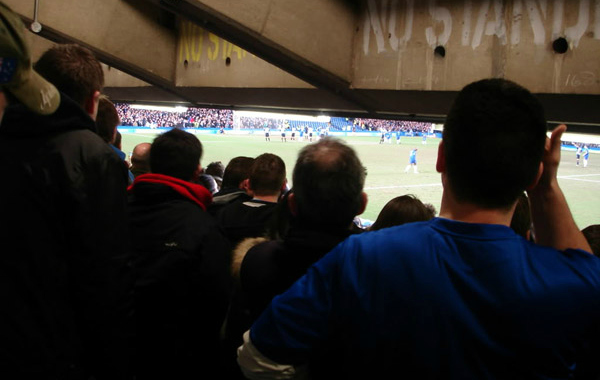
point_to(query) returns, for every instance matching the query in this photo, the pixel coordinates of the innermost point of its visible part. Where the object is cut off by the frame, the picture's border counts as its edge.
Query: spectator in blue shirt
(461, 296)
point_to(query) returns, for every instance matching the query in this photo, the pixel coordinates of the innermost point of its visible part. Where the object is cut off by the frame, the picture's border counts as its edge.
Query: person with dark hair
(462, 295)
(266, 182)
(107, 121)
(209, 182)
(65, 279)
(181, 260)
(216, 169)
(140, 159)
(403, 209)
(62, 65)
(234, 187)
(592, 235)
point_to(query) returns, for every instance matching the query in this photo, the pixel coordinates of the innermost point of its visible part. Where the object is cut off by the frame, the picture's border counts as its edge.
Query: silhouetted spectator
(140, 159)
(592, 235)
(521, 220)
(107, 121)
(64, 277)
(234, 187)
(403, 209)
(181, 261)
(266, 182)
(216, 170)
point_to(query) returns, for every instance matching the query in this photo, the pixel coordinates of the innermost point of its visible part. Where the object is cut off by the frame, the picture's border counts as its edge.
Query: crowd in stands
(186, 273)
(191, 118)
(393, 125)
(223, 118)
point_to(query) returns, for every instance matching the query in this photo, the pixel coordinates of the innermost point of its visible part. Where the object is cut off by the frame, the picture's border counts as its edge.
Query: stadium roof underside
(394, 59)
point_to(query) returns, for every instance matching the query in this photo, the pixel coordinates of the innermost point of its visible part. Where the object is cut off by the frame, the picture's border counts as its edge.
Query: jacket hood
(194, 192)
(19, 121)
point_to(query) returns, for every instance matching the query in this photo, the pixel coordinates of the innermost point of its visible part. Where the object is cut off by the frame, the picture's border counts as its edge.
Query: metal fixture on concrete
(36, 27)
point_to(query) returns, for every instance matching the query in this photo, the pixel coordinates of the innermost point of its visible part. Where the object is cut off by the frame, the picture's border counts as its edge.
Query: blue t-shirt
(442, 299)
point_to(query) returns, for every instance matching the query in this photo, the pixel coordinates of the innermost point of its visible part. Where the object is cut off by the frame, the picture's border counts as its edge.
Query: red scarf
(194, 192)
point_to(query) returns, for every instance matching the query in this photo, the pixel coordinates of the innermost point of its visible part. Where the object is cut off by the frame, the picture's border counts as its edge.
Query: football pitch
(385, 165)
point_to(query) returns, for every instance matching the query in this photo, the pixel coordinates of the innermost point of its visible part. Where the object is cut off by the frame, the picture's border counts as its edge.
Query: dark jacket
(241, 220)
(225, 197)
(65, 282)
(271, 267)
(183, 283)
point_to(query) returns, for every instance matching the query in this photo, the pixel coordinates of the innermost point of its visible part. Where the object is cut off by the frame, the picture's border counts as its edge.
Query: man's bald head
(140, 159)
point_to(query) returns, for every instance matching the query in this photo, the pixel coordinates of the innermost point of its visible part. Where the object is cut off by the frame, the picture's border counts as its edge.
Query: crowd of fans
(223, 118)
(393, 125)
(261, 122)
(190, 118)
(175, 277)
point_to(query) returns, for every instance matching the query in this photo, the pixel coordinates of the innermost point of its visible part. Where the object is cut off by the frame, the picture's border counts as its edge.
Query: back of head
(176, 153)
(592, 235)
(328, 181)
(107, 119)
(73, 69)
(493, 139)
(403, 209)
(215, 169)
(140, 159)
(267, 175)
(237, 170)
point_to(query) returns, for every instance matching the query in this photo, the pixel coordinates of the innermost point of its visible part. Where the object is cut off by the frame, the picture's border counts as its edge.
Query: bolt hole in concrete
(227, 61)
(560, 45)
(440, 51)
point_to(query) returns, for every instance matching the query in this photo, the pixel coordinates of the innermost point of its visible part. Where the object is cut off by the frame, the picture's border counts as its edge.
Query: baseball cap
(16, 72)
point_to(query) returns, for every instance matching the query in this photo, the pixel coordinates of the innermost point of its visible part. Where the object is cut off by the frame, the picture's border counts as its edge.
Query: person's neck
(267, 198)
(470, 213)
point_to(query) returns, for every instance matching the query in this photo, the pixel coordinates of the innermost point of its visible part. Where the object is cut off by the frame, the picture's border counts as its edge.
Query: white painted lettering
(372, 21)
(466, 29)
(439, 14)
(517, 17)
(535, 18)
(575, 32)
(559, 11)
(408, 26)
(597, 20)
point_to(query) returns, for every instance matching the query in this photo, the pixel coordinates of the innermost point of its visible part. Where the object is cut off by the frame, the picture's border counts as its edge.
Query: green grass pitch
(385, 165)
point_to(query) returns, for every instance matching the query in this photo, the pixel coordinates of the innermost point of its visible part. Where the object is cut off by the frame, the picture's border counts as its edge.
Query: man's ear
(91, 105)
(245, 185)
(364, 199)
(196, 175)
(537, 177)
(292, 205)
(440, 164)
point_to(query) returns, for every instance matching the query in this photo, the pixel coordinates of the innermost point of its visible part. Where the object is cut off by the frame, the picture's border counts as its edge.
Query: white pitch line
(581, 180)
(399, 187)
(579, 175)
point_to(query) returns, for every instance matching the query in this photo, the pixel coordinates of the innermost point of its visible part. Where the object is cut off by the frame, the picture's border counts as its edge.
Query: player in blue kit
(585, 152)
(412, 161)
(461, 296)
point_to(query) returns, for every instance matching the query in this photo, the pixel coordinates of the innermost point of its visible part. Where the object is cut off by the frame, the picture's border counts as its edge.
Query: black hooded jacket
(65, 282)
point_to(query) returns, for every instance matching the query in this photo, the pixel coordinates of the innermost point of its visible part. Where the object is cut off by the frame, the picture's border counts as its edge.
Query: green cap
(16, 72)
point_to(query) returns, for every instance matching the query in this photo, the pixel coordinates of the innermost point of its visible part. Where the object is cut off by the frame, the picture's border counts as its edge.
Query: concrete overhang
(373, 58)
